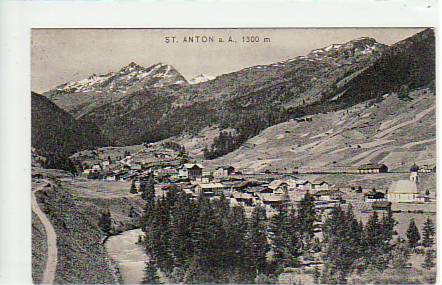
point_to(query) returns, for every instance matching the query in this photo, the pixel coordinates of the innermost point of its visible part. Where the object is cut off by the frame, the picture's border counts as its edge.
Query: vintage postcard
(246, 155)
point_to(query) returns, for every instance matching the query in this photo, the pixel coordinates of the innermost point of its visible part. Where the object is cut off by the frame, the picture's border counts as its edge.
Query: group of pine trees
(350, 246)
(207, 241)
(225, 142)
(247, 125)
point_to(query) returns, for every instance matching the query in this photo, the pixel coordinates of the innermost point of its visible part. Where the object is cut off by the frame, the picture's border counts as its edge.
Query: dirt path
(51, 261)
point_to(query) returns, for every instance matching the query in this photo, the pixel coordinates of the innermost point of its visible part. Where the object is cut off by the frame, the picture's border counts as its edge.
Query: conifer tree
(257, 240)
(159, 234)
(429, 259)
(181, 221)
(428, 233)
(148, 188)
(148, 194)
(133, 189)
(374, 243)
(195, 272)
(316, 275)
(388, 224)
(279, 228)
(403, 93)
(413, 234)
(203, 235)
(307, 216)
(132, 212)
(400, 254)
(236, 245)
(342, 237)
(151, 274)
(105, 222)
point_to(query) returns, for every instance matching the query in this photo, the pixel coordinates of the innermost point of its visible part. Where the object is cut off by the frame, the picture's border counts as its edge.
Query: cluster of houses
(273, 194)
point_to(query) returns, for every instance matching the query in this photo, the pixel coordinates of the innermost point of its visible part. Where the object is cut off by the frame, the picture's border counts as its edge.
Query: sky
(62, 55)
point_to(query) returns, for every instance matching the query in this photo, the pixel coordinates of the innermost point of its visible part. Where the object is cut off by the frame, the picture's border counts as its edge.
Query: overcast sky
(61, 55)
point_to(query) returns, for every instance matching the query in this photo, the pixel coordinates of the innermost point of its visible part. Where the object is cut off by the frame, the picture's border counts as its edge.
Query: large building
(372, 168)
(209, 189)
(190, 171)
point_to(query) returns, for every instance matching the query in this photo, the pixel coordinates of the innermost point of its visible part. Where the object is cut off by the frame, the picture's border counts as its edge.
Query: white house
(304, 185)
(321, 185)
(223, 171)
(209, 188)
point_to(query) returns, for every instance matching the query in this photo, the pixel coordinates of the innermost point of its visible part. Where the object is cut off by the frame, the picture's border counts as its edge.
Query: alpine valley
(136, 104)
(320, 169)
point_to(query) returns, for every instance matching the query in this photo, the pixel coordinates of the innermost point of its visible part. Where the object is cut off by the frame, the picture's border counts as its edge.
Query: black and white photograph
(233, 155)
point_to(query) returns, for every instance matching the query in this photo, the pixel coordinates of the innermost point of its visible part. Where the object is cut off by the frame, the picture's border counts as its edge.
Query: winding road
(51, 239)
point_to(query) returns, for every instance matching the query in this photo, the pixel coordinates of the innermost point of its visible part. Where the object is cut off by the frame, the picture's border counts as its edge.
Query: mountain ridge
(211, 101)
(257, 97)
(81, 96)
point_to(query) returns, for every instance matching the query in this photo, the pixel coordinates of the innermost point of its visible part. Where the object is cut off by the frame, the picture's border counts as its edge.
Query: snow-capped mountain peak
(131, 77)
(201, 78)
(343, 53)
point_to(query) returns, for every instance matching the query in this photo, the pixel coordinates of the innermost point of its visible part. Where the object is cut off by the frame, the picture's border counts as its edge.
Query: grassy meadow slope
(74, 212)
(395, 132)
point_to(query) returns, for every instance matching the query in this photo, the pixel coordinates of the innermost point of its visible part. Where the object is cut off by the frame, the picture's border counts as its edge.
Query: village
(171, 168)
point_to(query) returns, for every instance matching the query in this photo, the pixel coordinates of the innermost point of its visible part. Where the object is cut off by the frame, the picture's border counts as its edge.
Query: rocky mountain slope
(260, 94)
(80, 97)
(56, 134)
(392, 131)
(250, 100)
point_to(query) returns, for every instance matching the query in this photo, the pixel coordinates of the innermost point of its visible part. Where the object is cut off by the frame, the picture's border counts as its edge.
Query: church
(406, 191)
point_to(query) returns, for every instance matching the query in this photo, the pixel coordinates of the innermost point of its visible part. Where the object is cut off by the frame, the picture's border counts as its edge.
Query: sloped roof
(276, 183)
(210, 185)
(191, 165)
(371, 166)
(321, 182)
(328, 192)
(403, 187)
(272, 198)
(239, 195)
(225, 167)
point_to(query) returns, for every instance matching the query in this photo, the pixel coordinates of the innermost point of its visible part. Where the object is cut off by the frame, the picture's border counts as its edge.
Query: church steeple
(414, 173)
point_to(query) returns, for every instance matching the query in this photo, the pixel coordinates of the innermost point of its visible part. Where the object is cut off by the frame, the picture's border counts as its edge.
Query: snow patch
(201, 78)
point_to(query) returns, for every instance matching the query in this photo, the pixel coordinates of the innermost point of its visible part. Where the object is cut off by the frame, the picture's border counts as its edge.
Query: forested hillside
(56, 134)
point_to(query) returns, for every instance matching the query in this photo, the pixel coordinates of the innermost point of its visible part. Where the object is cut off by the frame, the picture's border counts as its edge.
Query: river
(129, 256)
